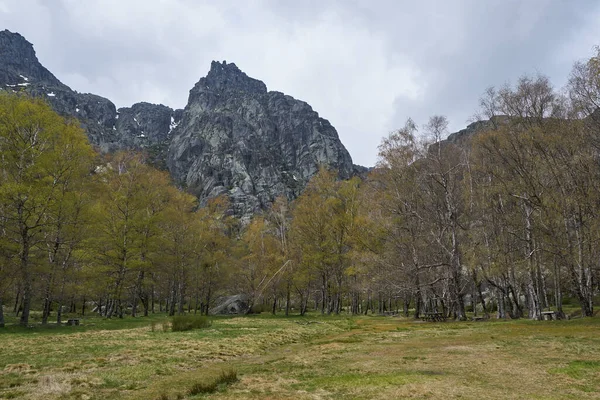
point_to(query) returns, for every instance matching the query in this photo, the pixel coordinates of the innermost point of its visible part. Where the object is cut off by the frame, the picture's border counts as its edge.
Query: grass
(182, 323)
(260, 357)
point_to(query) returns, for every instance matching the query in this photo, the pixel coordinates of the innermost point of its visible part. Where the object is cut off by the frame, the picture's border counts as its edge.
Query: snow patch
(23, 84)
(76, 109)
(51, 94)
(24, 78)
(142, 136)
(173, 124)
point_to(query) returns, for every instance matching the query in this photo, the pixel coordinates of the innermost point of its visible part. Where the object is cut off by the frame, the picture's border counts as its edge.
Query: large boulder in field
(237, 304)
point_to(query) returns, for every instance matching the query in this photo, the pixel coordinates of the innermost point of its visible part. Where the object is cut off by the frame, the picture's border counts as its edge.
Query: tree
(42, 156)
(312, 233)
(131, 197)
(179, 246)
(444, 169)
(401, 214)
(261, 263)
(584, 87)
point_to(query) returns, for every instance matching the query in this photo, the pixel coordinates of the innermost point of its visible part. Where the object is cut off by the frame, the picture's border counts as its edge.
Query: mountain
(238, 138)
(233, 137)
(142, 125)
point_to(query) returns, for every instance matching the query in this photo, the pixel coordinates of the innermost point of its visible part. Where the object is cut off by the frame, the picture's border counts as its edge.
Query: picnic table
(434, 317)
(73, 322)
(549, 315)
(389, 313)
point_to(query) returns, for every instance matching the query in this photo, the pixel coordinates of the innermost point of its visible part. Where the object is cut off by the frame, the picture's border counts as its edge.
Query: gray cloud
(364, 65)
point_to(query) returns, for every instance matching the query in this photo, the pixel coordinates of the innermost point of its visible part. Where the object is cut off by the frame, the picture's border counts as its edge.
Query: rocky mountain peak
(20, 65)
(224, 76)
(233, 138)
(238, 139)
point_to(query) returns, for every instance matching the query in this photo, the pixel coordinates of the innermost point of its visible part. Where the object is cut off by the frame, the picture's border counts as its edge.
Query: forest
(501, 221)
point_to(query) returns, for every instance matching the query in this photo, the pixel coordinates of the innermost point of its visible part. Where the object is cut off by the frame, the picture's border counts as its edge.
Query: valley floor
(304, 358)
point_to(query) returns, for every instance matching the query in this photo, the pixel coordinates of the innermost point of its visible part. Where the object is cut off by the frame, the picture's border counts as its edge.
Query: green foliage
(44, 164)
(188, 322)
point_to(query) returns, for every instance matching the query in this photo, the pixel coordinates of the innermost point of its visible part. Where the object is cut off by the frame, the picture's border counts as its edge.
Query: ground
(310, 357)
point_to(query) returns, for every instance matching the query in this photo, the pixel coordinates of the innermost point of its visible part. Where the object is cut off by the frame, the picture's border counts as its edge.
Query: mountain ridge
(233, 137)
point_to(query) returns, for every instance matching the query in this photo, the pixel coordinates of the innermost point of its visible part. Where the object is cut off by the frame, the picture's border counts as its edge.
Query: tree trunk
(532, 289)
(418, 296)
(303, 306)
(181, 297)
(47, 302)
(26, 276)
(585, 286)
(287, 299)
(208, 298)
(59, 313)
(17, 302)
(1, 313)
(172, 301)
(501, 309)
(323, 294)
(479, 294)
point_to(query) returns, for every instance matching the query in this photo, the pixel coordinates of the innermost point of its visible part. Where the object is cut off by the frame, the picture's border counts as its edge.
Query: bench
(549, 315)
(73, 322)
(389, 313)
(479, 318)
(434, 317)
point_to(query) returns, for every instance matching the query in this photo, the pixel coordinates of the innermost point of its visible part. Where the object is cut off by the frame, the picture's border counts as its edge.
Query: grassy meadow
(311, 357)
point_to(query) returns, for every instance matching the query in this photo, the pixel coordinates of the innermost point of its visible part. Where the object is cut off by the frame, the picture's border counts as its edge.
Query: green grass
(188, 322)
(335, 357)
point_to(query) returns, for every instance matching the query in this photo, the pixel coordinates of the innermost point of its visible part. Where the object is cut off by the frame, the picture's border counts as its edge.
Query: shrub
(203, 387)
(260, 308)
(225, 378)
(188, 322)
(228, 376)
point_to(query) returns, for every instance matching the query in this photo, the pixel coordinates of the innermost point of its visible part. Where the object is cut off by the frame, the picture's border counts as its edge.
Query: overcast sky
(364, 65)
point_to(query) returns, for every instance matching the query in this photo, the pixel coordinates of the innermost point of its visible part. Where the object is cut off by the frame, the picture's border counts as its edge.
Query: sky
(365, 65)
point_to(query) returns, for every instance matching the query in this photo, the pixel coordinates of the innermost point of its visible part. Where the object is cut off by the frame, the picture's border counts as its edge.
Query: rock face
(237, 138)
(465, 135)
(234, 137)
(143, 125)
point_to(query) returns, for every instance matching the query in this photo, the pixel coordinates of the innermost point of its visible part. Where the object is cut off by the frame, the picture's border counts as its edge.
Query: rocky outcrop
(237, 304)
(143, 125)
(237, 138)
(465, 135)
(19, 64)
(234, 137)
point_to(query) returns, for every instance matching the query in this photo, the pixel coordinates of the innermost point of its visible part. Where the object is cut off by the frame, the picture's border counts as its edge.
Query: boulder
(237, 304)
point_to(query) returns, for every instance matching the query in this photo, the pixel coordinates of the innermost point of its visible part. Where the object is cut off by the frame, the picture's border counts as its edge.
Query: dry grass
(390, 358)
(122, 363)
(337, 358)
